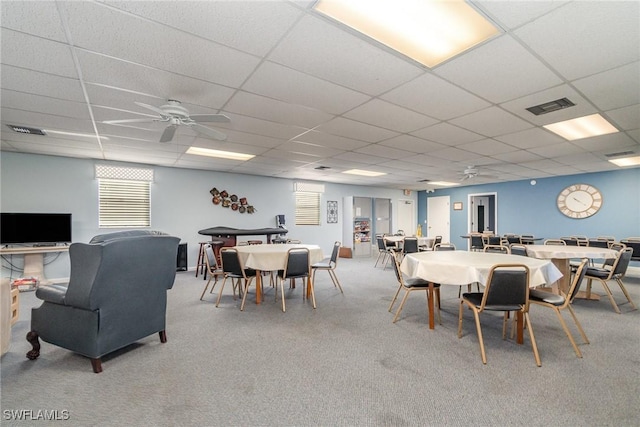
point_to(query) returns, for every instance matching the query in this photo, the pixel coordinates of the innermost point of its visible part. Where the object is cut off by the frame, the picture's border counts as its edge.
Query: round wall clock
(579, 201)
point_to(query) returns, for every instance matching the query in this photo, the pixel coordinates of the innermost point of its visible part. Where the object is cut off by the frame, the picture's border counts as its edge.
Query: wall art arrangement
(235, 203)
(332, 212)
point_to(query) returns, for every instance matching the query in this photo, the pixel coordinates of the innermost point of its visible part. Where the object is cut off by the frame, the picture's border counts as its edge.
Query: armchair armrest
(52, 293)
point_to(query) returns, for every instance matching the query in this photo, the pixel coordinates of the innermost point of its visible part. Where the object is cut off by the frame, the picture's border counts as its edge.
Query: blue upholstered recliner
(117, 295)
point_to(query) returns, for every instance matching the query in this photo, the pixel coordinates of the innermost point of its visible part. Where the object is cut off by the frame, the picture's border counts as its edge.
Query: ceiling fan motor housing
(174, 108)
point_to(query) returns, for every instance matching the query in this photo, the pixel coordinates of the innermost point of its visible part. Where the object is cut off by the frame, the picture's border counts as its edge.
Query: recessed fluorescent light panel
(444, 183)
(626, 161)
(582, 127)
(428, 31)
(219, 154)
(362, 172)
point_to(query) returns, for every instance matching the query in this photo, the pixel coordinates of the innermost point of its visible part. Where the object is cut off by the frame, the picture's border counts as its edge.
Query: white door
(438, 217)
(407, 217)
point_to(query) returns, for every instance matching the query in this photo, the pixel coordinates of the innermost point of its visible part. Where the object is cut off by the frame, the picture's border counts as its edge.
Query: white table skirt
(273, 257)
(462, 267)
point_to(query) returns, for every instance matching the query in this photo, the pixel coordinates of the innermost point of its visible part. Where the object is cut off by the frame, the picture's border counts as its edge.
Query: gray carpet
(343, 364)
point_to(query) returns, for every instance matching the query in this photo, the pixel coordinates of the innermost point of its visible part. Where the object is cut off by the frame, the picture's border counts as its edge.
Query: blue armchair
(117, 295)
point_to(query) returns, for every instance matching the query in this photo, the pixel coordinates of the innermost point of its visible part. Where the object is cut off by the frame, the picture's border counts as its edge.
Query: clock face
(579, 201)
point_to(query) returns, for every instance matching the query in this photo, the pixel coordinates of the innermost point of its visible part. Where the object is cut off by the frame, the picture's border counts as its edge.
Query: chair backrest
(400, 233)
(501, 249)
(577, 280)
(518, 249)
(622, 263)
(599, 243)
(396, 269)
(436, 240)
(617, 246)
(335, 253)
(569, 241)
(526, 239)
(210, 258)
(231, 261)
(381, 245)
(297, 263)
(507, 285)
(410, 245)
(513, 238)
(555, 242)
(444, 247)
(476, 241)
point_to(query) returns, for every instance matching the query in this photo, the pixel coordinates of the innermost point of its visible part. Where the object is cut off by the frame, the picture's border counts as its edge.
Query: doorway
(483, 215)
(407, 217)
(438, 217)
(382, 215)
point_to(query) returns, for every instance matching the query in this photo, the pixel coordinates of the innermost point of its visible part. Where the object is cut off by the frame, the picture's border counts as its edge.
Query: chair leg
(578, 325)
(221, 289)
(624, 291)
(568, 332)
(395, 297)
(244, 294)
(205, 288)
(483, 354)
(336, 282)
(96, 364)
(527, 322)
(313, 293)
(284, 308)
(406, 294)
(610, 295)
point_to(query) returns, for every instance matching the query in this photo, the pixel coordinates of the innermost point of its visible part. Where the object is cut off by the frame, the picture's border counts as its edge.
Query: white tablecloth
(462, 267)
(567, 252)
(273, 257)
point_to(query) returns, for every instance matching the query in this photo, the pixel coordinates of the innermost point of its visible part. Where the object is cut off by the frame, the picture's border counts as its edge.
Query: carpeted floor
(343, 364)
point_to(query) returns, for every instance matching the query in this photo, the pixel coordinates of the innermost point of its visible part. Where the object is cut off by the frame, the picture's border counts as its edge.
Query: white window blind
(124, 196)
(307, 208)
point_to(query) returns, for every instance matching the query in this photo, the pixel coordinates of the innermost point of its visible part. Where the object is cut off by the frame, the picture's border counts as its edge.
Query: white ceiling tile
(487, 147)
(610, 143)
(34, 17)
(556, 150)
(261, 107)
(389, 116)
(411, 143)
(356, 130)
(355, 63)
(34, 82)
(112, 32)
(328, 140)
(627, 118)
(430, 95)
(250, 26)
(535, 137)
(491, 122)
(454, 154)
(384, 151)
(43, 55)
(275, 81)
(44, 105)
(503, 70)
(615, 88)
(586, 37)
(504, 12)
(447, 134)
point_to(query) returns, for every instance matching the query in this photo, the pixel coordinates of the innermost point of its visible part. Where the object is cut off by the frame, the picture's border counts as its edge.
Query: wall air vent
(549, 107)
(27, 130)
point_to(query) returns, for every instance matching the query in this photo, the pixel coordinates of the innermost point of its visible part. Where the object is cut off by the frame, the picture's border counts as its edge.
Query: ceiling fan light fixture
(229, 155)
(430, 32)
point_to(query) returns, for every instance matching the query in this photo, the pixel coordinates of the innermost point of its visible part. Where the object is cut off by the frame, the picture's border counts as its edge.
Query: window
(124, 196)
(307, 208)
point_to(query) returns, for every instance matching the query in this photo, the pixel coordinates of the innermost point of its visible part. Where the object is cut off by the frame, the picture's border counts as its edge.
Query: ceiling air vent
(549, 107)
(424, 180)
(322, 168)
(26, 130)
(622, 153)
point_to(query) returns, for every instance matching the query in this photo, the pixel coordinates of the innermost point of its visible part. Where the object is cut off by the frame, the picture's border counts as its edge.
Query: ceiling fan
(472, 172)
(174, 114)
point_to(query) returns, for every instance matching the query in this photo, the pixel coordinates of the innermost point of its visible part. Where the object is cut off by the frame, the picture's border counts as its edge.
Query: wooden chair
(560, 302)
(559, 242)
(501, 249)
(507, 290)
(233, 269)
(518, 249)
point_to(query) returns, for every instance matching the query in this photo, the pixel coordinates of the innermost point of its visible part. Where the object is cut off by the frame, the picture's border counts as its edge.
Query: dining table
(422, 241)
(273, 258)
(561, 255)
(465, 267)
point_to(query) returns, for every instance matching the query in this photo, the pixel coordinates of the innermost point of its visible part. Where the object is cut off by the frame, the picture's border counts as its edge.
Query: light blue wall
(180, 201)
(531, 209)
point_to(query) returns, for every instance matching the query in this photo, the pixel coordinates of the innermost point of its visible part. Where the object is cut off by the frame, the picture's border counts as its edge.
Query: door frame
(470, 199)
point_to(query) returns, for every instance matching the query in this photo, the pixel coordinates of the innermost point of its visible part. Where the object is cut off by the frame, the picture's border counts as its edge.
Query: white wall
(180, 201)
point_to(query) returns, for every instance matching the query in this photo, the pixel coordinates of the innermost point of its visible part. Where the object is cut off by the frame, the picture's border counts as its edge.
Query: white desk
(560, 256)
(462, 267)
(273, 258)
(33, 259)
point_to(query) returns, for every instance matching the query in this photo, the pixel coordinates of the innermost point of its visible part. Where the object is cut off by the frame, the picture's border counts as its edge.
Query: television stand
(34, 259)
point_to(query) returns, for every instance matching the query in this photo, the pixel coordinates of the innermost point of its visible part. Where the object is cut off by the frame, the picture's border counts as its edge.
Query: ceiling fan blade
(207, 131)
(152, 108)
(115, 122)
(218, 118)
(168, 133)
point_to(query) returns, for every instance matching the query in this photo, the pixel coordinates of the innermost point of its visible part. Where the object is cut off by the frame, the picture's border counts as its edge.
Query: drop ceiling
(311, 98)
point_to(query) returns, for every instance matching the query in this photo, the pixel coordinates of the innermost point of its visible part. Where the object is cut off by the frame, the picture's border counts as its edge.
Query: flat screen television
(35, 228)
